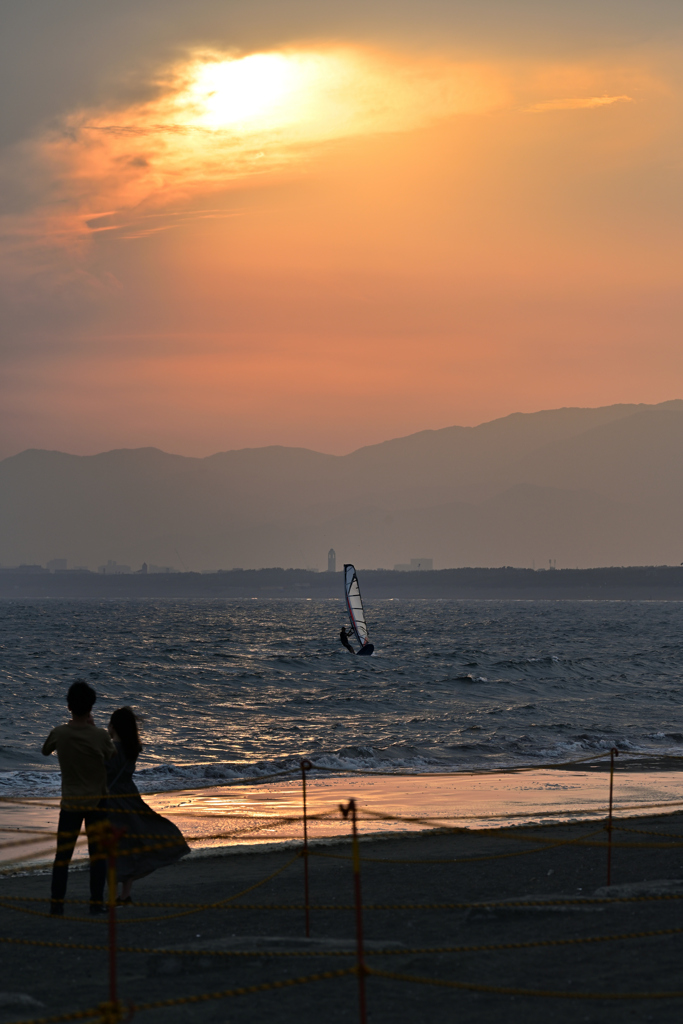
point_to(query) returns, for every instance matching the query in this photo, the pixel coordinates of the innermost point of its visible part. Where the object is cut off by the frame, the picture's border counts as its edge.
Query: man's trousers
(70, 822)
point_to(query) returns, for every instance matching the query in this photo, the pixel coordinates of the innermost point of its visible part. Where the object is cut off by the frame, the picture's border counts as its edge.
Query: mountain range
(580, 487)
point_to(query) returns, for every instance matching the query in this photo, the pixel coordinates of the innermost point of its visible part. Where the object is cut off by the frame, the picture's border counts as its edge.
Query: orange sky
(332, 242)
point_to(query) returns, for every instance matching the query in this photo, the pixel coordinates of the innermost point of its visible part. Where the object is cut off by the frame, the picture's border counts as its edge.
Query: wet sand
(271, 812)
(418, 802)
(497, 866)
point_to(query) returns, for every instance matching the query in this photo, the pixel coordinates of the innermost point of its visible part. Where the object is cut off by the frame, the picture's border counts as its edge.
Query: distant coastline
(568, 487)
(631, 583)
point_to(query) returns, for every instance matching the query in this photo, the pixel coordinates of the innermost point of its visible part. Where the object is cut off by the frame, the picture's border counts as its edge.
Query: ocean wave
(497, 753)
(229, 692)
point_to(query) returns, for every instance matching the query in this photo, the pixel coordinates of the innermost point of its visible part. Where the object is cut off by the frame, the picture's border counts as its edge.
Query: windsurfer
(344, 637)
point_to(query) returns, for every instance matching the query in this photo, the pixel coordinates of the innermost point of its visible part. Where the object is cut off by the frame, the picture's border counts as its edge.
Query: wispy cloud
(576, 103)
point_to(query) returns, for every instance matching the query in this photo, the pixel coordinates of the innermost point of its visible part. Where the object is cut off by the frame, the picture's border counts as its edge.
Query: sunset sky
(233, 223)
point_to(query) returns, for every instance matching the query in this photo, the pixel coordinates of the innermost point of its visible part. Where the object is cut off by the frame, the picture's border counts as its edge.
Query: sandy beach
(631, 945)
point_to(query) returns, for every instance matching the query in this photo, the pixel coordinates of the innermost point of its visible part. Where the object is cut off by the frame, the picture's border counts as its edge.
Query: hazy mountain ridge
(583, 486)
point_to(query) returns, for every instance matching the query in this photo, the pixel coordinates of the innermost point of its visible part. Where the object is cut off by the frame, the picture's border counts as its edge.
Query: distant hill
(584, 487)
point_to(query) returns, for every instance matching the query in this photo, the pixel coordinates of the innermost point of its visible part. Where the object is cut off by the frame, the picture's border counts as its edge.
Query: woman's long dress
(150, 841)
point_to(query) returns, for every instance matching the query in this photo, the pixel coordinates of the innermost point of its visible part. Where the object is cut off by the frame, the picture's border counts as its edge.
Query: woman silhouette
(149, 840)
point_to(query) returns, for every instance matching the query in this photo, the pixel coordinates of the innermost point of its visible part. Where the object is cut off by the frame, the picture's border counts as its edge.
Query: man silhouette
(82, 750)
(344, 637)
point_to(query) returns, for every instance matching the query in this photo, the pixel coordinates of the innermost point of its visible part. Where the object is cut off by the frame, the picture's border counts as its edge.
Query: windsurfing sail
(355, 605)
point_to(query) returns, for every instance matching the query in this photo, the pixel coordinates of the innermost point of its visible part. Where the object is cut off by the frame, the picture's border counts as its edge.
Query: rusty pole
(306, 767)
(612, 754)
(350, 811)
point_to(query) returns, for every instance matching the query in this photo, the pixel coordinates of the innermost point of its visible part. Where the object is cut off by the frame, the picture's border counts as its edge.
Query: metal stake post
(350, 809)
(111, 873)
(110, 841)
(612, 754)
(306, 767)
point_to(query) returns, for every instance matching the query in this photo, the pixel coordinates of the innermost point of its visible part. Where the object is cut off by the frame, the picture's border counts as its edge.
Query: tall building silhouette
(331, 560)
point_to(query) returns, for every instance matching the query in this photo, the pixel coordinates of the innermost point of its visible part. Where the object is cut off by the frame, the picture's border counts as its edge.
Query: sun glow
(237, 92)
(313, 96)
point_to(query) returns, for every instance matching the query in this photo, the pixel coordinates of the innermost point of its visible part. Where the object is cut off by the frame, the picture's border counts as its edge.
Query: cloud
(218, 121)
(580, 103)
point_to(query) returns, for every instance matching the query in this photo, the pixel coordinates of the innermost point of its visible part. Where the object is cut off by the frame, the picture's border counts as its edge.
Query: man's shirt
(82, 751)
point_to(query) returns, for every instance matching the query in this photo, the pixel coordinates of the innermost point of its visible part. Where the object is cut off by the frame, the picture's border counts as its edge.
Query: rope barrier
(390, 951)
(550, 844)
(105, 1009)
(95, 1011)
(49, 836)
(113, 1011)
(578, 901)
(246, 781)
(266, 986)
(475, 771)
(158, 1004)
(166, 917)
(27, 831)
(372, 815)
(16, 864)
(649, 832)
(511, 991)
(166, 842)
(436, 820)
(488, 905)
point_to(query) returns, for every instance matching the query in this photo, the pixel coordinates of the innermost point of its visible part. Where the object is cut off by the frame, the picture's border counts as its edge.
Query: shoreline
(618, 583)
(268, 816)
(202, 853)
(627, 761)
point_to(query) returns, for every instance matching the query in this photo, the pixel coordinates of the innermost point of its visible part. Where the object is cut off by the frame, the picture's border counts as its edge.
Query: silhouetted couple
(97, 768)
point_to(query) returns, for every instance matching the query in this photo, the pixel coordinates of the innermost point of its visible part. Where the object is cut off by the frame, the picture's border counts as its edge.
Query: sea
(243, 689)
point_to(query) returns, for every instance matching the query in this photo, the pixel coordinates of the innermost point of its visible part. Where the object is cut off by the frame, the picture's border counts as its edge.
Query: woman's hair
(125, 724)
